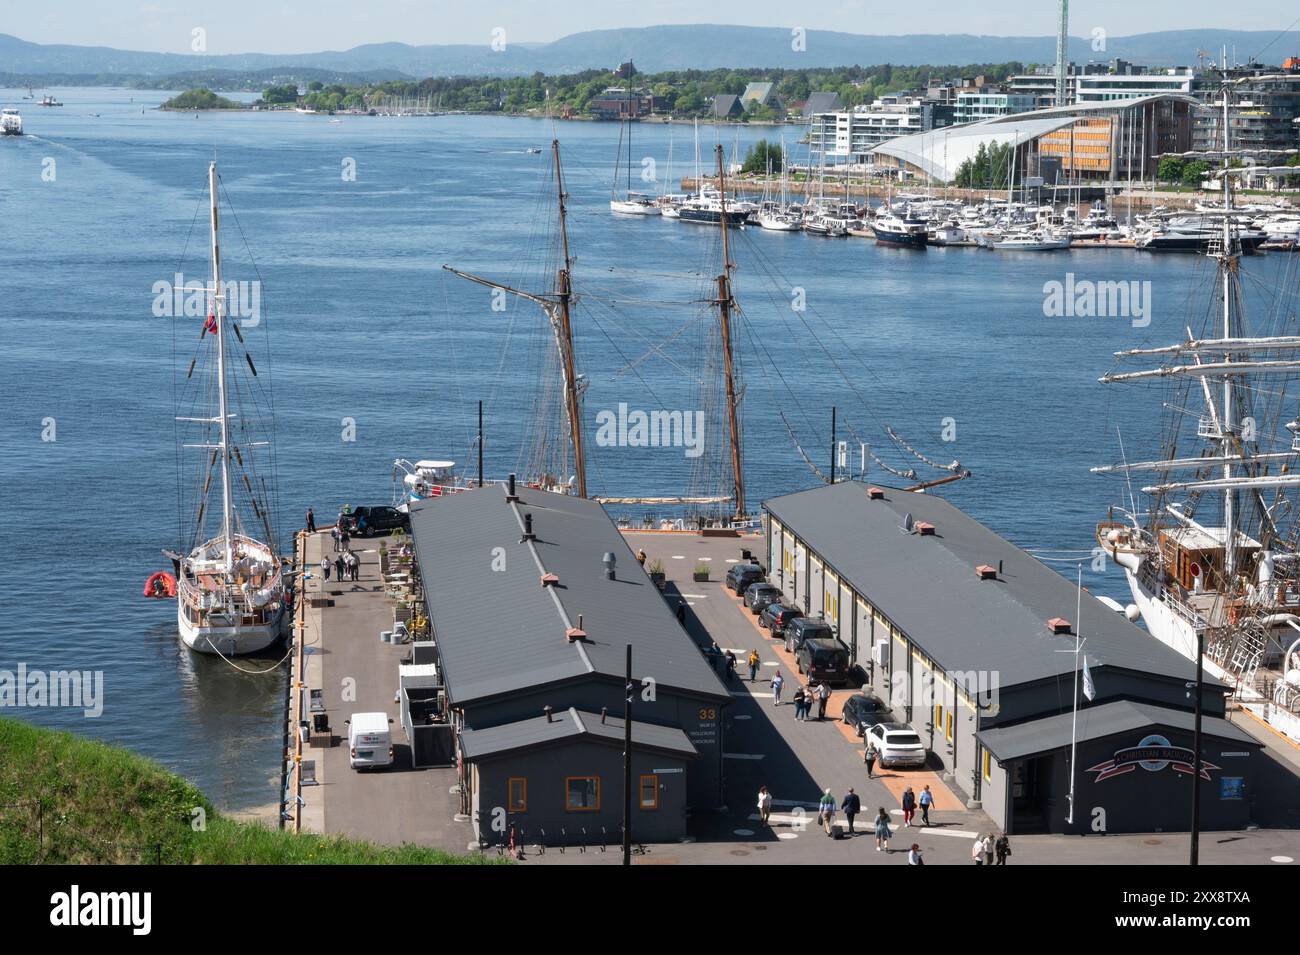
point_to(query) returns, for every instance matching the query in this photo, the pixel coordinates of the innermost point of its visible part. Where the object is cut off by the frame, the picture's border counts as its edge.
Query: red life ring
(160, 585)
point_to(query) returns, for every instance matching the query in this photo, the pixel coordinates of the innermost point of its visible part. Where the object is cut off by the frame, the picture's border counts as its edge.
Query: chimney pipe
(603, 711)
(528, 529)
(609, 560)
(510, 489)
(547, 710)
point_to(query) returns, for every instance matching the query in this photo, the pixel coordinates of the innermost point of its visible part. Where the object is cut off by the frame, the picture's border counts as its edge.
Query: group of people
(346, 565)
(805, 698)
(987, 848)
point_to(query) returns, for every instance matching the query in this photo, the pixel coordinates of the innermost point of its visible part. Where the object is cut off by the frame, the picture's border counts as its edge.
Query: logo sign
(1154, 754)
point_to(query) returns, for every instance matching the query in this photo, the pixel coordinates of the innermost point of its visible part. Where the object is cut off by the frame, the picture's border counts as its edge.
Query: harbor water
(374, 352)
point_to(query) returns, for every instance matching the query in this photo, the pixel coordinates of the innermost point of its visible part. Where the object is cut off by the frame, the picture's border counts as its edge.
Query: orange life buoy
(160, 585)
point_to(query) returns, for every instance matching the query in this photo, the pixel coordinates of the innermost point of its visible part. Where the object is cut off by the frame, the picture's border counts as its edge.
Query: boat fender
(1131, 612)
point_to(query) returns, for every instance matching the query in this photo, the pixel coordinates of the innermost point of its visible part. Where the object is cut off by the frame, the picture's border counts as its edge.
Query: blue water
(362, 323)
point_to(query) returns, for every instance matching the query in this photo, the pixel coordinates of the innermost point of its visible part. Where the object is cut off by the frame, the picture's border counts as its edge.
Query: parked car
(897, 744)
(741, 576)
(806, 628)
(776, 616)
(370, 744)
(759, 595)
(863, 711)
(826, 661)
(367, 521)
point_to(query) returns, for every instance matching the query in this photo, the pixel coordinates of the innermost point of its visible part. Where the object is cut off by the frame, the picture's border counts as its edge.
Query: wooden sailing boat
(229, 587)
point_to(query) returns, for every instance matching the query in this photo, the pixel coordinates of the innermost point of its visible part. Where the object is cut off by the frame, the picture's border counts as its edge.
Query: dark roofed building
(727, 106)
(820, 103)
(526, 616)
(972, 640)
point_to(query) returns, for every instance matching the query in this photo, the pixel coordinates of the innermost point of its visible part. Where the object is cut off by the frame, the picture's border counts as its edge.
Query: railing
(1174, 603)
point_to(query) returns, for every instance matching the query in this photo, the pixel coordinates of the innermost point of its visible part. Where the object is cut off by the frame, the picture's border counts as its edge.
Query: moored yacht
(11, 122)
(889, 229)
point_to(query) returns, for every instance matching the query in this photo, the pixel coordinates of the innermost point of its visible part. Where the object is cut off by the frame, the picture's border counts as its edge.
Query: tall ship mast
(229, 587)
(1213, 561)
(558, 308)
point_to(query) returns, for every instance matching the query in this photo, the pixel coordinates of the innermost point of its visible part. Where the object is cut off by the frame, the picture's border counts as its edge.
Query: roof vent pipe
(547, 710)
(528, 529)
(603, 711)
(510, 489)
(609, 560)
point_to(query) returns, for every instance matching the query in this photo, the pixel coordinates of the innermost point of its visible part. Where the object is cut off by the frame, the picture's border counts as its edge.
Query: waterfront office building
(971, 640)
(531, 620)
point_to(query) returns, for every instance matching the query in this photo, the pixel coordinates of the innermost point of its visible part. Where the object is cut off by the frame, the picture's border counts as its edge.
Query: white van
(370, 744)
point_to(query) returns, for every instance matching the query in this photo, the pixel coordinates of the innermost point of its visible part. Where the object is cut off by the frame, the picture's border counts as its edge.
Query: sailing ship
(630, 203)
(1213, 564)
(11, 122)
(230, 588)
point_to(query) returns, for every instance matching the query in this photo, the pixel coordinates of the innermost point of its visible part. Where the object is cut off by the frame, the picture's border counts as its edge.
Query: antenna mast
(725, 304)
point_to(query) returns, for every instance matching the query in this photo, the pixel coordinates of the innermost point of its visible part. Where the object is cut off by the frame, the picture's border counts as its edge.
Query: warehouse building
(533, 599)
(971, 640)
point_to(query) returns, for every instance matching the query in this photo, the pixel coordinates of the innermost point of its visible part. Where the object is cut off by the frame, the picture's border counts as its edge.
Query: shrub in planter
(701, 571)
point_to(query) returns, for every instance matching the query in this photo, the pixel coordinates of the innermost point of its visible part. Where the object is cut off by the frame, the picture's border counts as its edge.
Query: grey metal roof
(928, 587)
(724, 103)
(571, 724)
(1122, 716)
(501, 631)
(820, 103)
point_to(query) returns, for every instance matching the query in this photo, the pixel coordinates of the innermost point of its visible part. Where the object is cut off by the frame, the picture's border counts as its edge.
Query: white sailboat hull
(1167, 625)
(633, 208)
(230, 641)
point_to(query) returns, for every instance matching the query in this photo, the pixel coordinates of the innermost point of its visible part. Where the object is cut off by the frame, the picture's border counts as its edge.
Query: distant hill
(655, 49)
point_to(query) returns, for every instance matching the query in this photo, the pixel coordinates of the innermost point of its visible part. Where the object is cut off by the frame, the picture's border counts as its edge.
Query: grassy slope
(106, 805)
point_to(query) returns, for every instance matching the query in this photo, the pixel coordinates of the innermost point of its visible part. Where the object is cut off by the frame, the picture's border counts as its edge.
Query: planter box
(701, 576)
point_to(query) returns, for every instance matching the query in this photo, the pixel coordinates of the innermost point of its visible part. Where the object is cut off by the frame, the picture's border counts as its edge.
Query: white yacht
(229, 588)
(11, 122)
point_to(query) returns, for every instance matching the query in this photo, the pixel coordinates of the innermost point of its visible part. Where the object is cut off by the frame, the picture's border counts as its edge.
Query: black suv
(824, 660)
(776, 616)
(806, 628)
(368, 521)
(759, 595)
(741, 576)
(863, 711)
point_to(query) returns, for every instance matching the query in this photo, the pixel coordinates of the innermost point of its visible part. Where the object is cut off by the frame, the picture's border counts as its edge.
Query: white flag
(1089, 690)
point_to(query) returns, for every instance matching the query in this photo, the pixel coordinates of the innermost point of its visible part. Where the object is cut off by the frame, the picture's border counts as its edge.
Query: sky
(298, 26)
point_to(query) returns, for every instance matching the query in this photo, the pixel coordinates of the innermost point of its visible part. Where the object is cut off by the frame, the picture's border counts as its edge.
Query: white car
(896, 745)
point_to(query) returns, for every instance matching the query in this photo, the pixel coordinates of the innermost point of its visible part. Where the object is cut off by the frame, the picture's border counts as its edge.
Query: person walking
(715, 655)
(909, 806)
(325, 567)
(334, 536)
(869, 757)
(311, 521)
(340, 567)
(826, 812)
(753, 661)
(799, 703)
(926, 801)
(640, 556)
(883, 835)
(681, 611)
(823, 697)
(764, 804)
(851, 805)
(355, 560)
(344, 538)
(977, 851)
(729, 665)
(778, 682)
(988, 849)
(914, 855)
(1002, 849)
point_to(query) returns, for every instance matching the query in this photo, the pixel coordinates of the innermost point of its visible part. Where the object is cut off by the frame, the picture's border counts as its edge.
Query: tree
(1194, 173)
(286, 93)
(760, 154)
(1170, 169)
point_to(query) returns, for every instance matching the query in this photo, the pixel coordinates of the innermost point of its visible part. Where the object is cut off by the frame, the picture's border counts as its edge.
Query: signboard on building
(1154, 754)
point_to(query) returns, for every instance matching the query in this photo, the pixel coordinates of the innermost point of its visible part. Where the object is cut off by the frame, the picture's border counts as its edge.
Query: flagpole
(1074, 723)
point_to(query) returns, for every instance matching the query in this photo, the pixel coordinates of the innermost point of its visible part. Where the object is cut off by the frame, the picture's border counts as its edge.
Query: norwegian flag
(211, 324)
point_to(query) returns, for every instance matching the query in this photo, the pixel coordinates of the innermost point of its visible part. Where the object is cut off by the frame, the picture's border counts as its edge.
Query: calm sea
(99, 201)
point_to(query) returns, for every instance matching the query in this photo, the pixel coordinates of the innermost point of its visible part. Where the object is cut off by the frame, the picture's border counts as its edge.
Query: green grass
(64, 799)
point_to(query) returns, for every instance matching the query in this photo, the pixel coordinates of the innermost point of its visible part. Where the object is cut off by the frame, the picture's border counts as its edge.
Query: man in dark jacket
(851, 806)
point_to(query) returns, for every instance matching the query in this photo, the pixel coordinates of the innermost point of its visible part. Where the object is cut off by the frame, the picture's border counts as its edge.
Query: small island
(201, 98)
